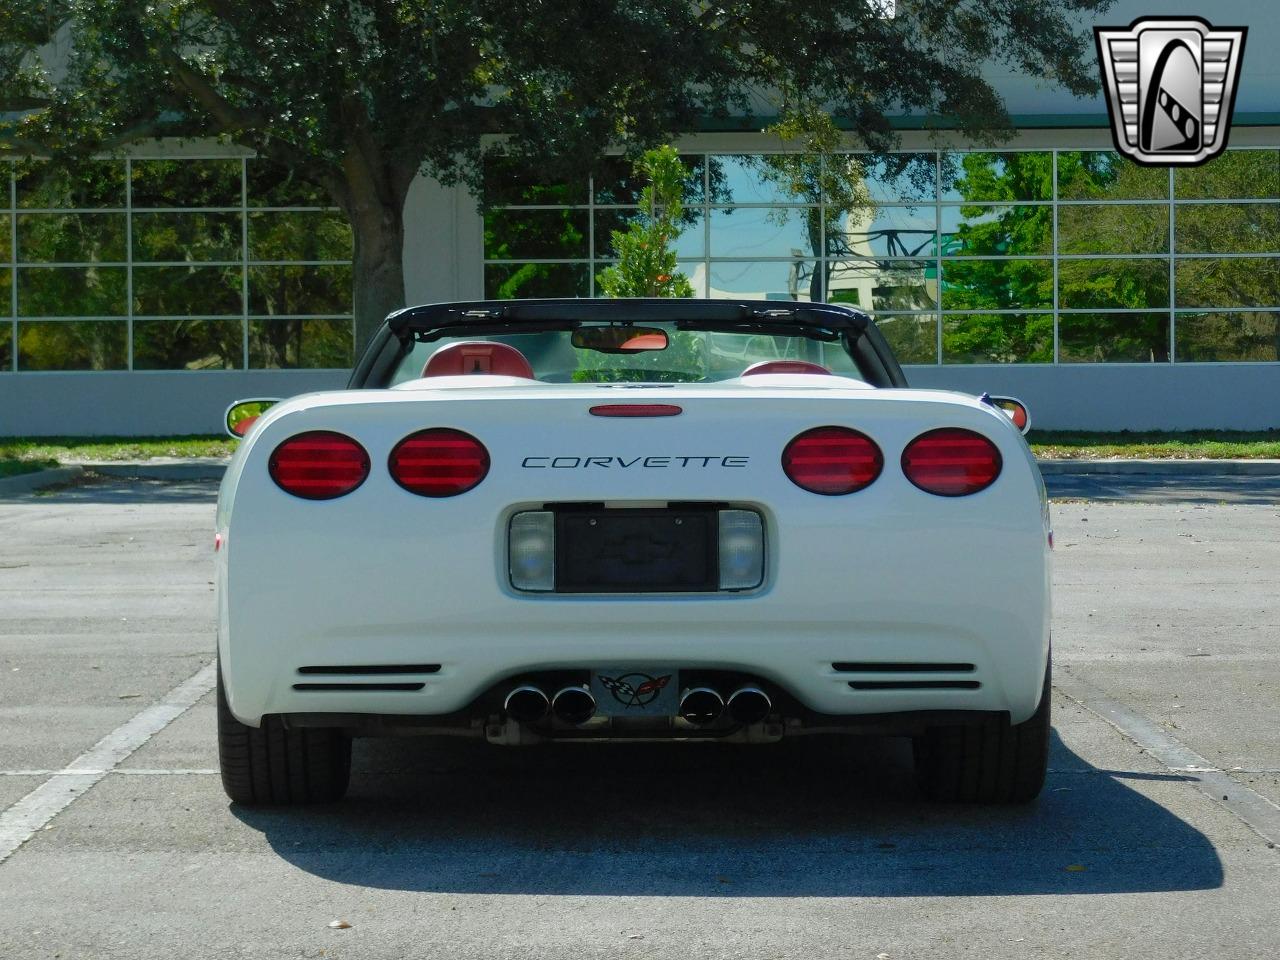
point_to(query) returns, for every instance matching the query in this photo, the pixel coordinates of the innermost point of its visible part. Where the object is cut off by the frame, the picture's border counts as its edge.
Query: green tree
(359, 96)
(646, 261)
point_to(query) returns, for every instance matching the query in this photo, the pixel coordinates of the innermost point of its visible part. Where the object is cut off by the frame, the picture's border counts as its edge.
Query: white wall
(141, 403)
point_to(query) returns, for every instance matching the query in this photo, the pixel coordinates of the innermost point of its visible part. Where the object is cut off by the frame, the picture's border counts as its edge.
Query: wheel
(272, 765)
(991, 762)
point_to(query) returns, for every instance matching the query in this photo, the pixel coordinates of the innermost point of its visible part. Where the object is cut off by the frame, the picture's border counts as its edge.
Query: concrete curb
(212, 468)
(1162, 468)
(27, 482)
(195, 468)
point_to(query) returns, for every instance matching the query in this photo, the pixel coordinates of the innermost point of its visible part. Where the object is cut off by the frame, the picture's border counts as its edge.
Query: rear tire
(271, 765)
(991, 762)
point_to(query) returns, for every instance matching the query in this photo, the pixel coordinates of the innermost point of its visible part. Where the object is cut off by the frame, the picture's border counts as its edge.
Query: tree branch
(17, 103)
(201, 88)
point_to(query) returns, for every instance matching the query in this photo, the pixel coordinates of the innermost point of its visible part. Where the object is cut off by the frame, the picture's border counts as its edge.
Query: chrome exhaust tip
(748, 705)
(526, 704)
(574, 705)
(701, 705)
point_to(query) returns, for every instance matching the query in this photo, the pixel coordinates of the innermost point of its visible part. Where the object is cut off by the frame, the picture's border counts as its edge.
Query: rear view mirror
(1014, 409)
(620, 339)
(243, 414)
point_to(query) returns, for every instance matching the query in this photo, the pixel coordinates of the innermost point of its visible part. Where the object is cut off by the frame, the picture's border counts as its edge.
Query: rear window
(689, 357)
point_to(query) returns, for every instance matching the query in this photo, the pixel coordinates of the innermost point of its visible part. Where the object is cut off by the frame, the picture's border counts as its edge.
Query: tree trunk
(378, 266)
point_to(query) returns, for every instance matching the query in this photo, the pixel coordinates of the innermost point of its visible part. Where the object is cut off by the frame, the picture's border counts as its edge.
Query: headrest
(784, 366)
(478, 356)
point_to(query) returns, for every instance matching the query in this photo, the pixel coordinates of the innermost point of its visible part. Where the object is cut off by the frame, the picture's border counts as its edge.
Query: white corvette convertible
(555, 520)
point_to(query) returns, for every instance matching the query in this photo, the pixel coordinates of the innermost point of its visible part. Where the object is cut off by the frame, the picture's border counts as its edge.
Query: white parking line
(1253, 808)
(65, 786)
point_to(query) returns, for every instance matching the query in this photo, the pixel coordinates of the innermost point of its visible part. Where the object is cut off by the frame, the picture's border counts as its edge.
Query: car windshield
(690, 356)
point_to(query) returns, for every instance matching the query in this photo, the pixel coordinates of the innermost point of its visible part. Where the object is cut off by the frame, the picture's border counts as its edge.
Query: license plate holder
(671, 550)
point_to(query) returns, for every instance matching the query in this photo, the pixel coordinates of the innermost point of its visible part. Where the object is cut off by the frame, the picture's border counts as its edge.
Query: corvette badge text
(637, 463)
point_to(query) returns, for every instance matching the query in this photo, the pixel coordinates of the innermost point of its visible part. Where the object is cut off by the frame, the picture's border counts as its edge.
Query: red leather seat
(785, 366)
(478, 356)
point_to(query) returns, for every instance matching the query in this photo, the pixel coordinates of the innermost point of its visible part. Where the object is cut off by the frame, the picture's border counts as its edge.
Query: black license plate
(637, 551)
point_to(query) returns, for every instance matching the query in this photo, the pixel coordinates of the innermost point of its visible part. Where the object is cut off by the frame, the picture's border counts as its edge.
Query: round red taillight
(832, 461)
(438, 462)
(319, 465)
(951, 462)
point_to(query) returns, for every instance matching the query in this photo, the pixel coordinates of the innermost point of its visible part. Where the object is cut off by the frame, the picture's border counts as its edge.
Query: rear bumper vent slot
(378, 687)
(914, 684)
(902, 667)
(372, 669)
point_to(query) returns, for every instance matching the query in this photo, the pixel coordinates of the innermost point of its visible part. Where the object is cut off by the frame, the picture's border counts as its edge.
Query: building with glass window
(145, 296)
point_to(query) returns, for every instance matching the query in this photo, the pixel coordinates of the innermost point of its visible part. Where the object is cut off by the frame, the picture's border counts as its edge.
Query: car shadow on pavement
(818, 817)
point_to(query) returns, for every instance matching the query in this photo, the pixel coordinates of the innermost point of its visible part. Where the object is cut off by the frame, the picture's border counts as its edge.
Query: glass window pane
(510, 181)
(765, 178)
(996, 231)
(186, 291)
(884, 177)
(6, 342)
(6, 247)
(616, 182)
(884, 284)
(310, 235)
(1122, 228)
(90, 184)
(186, 236)
(293, 290)
(535, 234)
(273, 185)
(1233, 282)
(1085, 284)
(755, 280)
(996, 284)
(71, 292)
(1228, 228)
(1228, 336)
(913, 337)
(690, 243)
(1105, 175)
(1113, 337)
(997, 177)
(187, 344)
(186, 183)
(313, 344)
(71, 238)
(1235, 175)
(872, 231)
(516, 280)
(763, 232)
(73, 345)
(997, 338)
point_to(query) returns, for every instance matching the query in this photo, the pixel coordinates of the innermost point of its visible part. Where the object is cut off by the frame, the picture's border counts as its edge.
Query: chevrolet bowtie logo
(1171, 87)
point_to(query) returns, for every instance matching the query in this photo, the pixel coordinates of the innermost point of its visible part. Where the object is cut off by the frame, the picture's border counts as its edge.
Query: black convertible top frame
(854, 329)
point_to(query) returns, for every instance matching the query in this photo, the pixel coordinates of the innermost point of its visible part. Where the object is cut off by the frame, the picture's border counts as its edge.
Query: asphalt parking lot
(1155, 836)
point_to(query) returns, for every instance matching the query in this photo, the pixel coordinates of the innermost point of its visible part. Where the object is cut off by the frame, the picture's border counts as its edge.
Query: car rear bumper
(864, 667)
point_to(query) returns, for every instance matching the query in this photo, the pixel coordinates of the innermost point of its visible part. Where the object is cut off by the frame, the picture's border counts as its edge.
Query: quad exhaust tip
(574, 705)
(748, 705)
(701, 705)
(526, 704)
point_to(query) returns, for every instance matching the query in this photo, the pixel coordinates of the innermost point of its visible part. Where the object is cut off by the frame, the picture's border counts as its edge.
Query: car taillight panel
(832, 461)
(319, 465)
(951, 462)
(439, 462)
